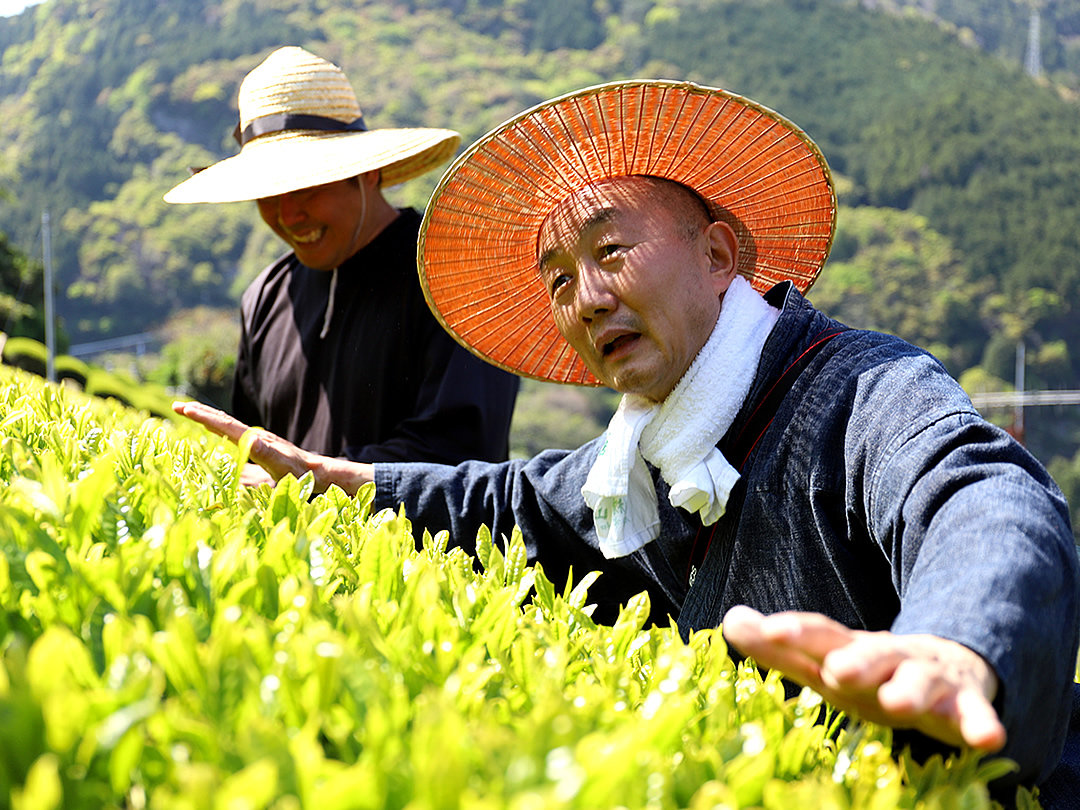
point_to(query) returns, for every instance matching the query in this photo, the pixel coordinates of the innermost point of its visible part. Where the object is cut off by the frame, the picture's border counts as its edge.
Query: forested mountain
(1003, 28)
(959, 173)
(104, 103)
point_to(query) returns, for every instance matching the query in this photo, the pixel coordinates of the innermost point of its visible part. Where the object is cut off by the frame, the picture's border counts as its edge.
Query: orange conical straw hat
(477, 253)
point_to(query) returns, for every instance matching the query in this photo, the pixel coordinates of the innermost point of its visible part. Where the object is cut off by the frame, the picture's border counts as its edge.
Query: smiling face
(635, 271)
(326, 224)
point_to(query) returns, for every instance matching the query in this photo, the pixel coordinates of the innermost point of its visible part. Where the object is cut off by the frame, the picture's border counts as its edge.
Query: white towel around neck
(679, 435)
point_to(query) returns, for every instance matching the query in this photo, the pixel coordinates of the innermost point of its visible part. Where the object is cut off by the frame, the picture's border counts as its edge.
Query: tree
(891, 271)
(21, 293)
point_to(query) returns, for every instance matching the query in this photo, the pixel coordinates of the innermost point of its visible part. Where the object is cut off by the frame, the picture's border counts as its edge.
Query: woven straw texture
(477, 253)
(293, 81)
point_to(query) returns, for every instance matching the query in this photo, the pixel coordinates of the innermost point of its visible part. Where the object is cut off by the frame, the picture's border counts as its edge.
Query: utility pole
(1033, 59)
(1018, 408)
(50, 337)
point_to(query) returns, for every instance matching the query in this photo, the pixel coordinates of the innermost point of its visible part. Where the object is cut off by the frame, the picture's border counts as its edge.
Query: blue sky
(9, 7)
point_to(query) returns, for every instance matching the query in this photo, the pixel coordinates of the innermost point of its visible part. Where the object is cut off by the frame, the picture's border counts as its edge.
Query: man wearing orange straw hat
(829, 495)
(339, 352)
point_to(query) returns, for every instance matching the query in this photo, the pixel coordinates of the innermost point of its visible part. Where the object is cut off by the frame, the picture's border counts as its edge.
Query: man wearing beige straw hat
(828, 495)
(339, 352)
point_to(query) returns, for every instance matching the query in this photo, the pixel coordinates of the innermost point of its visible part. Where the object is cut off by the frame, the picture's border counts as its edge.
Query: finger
(918, 687)
(263, 452)
(743, 628)
(774, 642)
(213, 419)
(812, 633)
(252, 475)
(980, 726)
(794, 642)
(865, 663)
(741, 620)
(191, 413)
(943, 702)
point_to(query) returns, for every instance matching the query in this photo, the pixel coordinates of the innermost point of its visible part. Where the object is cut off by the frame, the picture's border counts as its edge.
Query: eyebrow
(601, 217)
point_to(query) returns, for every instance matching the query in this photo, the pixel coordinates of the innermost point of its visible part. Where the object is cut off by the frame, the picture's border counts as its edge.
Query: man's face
(324, 225)
(635, 273)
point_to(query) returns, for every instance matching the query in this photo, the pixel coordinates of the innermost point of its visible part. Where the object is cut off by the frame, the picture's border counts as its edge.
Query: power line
(1014, 399)
(139, 341)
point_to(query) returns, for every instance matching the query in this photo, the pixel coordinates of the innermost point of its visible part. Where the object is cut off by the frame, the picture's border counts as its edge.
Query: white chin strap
(329, 315)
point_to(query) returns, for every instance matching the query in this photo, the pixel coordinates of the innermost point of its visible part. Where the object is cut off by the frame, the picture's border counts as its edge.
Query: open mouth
(613, 346)
(307, 238)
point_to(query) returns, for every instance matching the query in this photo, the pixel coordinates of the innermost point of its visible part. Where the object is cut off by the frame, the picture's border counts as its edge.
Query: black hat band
(281, 122)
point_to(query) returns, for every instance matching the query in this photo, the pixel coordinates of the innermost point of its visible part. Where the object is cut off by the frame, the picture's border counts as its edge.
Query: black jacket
(386, 383)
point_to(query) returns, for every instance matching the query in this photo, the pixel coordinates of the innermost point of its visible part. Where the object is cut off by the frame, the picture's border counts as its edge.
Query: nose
(290, 209)
(595, 295)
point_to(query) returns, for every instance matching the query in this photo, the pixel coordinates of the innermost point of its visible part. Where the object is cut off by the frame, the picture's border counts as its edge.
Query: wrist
(348, 475)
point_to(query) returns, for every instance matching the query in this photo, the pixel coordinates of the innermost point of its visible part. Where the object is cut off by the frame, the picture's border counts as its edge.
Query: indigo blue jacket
(873, 492)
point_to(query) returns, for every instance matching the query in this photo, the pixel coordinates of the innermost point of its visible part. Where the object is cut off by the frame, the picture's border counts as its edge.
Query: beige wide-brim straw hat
(477, 254)
(301, 126)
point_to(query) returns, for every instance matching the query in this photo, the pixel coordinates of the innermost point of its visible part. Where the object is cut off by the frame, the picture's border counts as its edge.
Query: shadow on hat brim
(288, 161)
(477, 250)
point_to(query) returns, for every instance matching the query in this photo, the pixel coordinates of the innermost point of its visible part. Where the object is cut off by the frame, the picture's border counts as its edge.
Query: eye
(610, 250)
(558, 281)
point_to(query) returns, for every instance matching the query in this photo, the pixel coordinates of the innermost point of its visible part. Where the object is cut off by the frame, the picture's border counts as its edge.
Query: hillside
(1003, 28)
(958, 172)
(106, 102)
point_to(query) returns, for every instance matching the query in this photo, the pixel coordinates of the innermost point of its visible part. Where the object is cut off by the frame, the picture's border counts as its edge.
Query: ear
(370, 180)
(723, 249)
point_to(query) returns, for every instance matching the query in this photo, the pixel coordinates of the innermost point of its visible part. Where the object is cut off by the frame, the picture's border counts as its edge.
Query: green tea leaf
(43, 789)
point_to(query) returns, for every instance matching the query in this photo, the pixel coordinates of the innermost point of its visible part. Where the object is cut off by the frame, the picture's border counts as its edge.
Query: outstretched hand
(277, 456)
(923, 682)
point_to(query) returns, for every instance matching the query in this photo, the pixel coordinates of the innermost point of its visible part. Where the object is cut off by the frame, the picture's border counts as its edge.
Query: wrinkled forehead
(594, 204)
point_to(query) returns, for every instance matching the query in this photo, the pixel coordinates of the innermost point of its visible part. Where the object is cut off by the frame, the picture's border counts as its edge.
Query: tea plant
(170, 639)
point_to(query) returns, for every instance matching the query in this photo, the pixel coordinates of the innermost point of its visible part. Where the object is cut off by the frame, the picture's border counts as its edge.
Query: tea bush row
(170, 639)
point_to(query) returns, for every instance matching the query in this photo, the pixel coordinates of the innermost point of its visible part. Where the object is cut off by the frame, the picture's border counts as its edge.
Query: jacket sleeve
(542, 496)
(465, 497)
(981, 549)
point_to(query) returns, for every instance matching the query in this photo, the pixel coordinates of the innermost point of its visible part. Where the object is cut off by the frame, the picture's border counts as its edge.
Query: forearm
(277, 456)
(459, 499)
(986, 559)
(526, 494)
